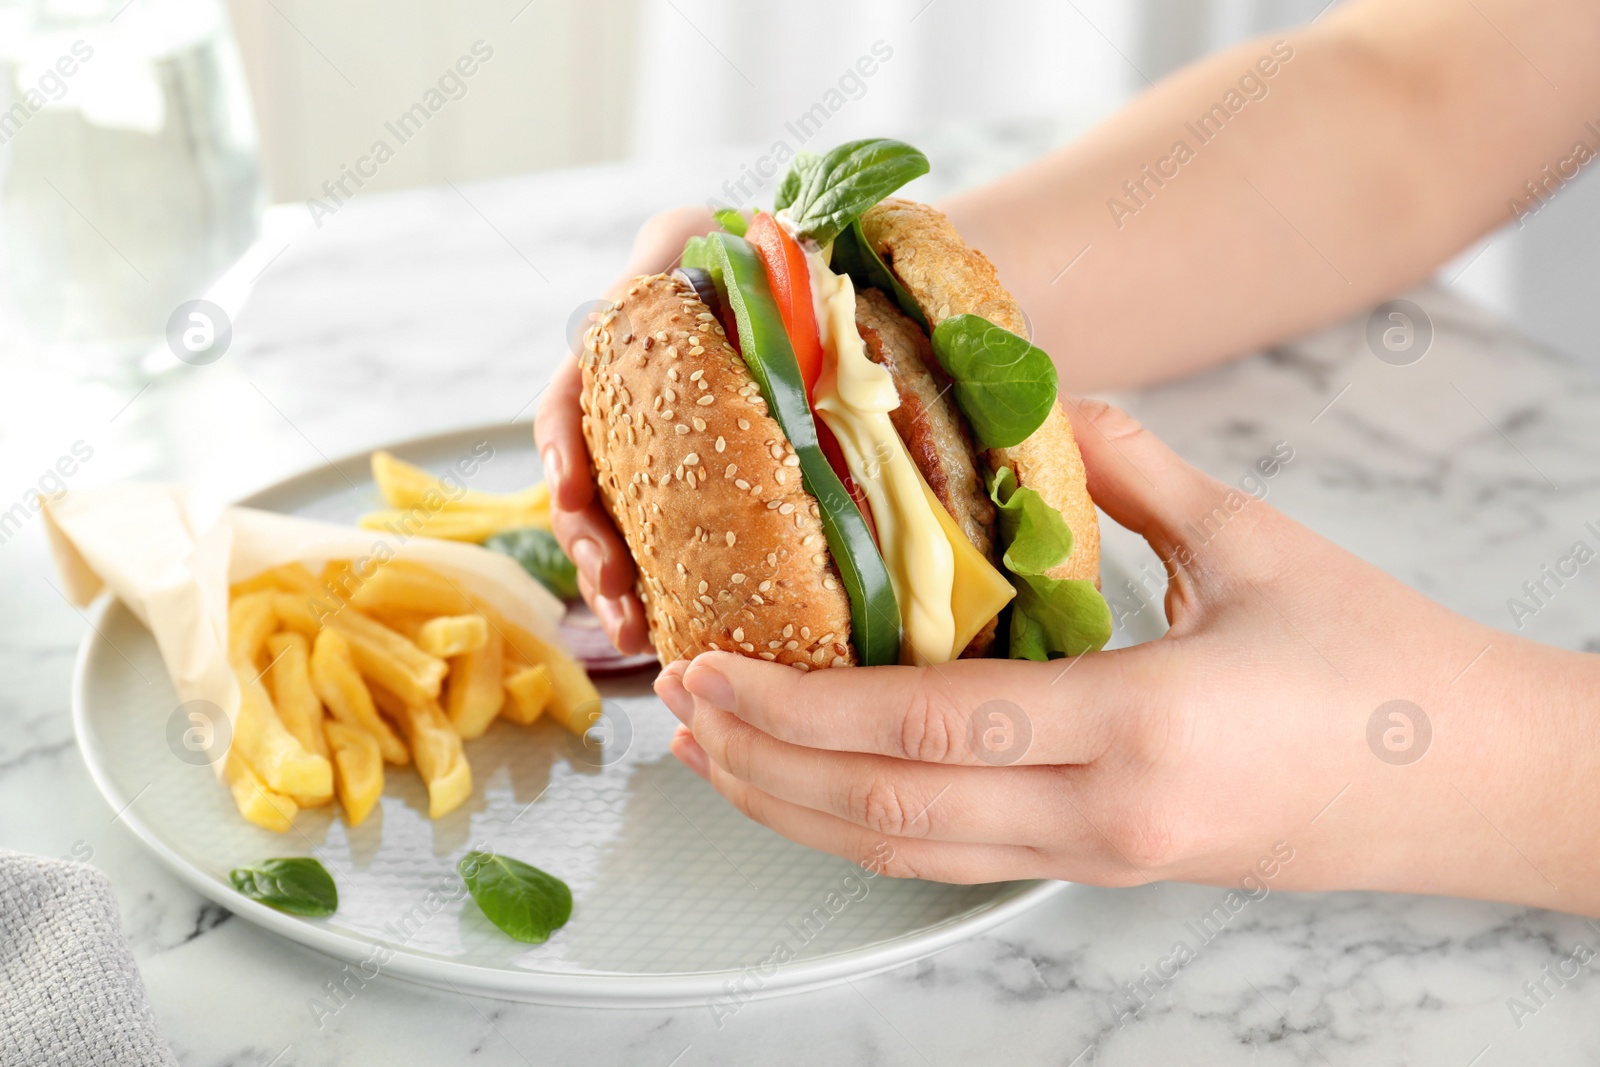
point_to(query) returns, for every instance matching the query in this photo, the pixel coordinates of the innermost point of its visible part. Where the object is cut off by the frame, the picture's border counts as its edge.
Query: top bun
(947, 278)
(705, 488)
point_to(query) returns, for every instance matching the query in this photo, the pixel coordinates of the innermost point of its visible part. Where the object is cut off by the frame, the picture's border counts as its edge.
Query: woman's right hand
(605, 567)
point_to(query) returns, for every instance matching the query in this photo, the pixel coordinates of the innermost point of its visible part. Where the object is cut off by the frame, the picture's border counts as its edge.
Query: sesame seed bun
(946, 278)
(706, 489)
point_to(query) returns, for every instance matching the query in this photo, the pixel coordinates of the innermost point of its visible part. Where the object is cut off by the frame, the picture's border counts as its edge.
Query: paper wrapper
(172, 567)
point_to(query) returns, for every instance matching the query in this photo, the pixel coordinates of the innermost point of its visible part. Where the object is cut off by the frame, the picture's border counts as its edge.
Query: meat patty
(930, 424)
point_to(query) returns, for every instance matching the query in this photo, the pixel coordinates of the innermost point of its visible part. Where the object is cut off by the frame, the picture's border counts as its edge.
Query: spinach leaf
(731, 220)
(298, 885)
(804, 163)
(1004, 385)
(855, 256)
(541, 556)
(520, 899)
(851, 178)
(1051, 617)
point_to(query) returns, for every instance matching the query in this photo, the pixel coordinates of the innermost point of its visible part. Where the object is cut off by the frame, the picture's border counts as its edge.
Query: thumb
(1144, 485)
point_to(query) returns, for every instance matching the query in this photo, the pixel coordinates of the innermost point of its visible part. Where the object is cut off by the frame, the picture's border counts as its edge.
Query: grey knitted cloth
(69, 991)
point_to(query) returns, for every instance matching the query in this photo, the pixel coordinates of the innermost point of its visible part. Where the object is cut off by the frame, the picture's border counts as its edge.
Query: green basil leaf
(1051, 617)
(804, 163)
(520, 899)
(298, 885)
(847, 181)
(731, 220)
(1003, 385)
(855, 256)
(541, 556)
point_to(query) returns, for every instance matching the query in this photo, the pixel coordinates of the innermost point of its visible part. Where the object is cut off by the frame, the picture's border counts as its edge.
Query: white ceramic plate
(675, 893)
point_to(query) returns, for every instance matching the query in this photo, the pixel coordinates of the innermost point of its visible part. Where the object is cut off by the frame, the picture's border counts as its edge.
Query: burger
(828, 439)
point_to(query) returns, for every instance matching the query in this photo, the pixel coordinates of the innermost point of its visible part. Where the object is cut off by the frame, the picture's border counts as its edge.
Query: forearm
(1502, 805)
(1385, 139)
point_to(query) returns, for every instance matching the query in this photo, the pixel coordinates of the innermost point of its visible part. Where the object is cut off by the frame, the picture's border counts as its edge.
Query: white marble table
(1461, 475)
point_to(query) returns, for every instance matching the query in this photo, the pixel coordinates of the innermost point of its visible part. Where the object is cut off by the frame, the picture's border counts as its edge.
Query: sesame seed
(786, 509)
(668, 414)
(755, 598)
(738, 578)
(721, 444)
(738, 634)
(672, 373)
(747, 646)
(740, 482)
(829, 584)
(768, 656)
(731, 539)
(744, 424)
(697, 375)
(692, 458)
(707, 399)
(764, 586)
(680, 429)
(704, 585)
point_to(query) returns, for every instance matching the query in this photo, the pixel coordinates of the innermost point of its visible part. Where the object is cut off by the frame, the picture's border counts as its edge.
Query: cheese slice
(947, 590)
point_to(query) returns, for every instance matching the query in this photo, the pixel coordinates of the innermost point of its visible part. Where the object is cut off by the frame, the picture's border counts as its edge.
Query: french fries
(344, 671)
(421, 504)
(388, 658)
(359, 764)
(339, 684)
(271, 750)
(268, 810)
(528, 692)
(477, 689)
(292, 694)
(437, 749)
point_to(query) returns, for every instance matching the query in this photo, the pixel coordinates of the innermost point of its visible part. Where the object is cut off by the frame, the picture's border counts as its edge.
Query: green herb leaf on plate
(541, 556)
(1004, 385)
(298, 885)
(851, 178)
(1051, 617)
(520, 899)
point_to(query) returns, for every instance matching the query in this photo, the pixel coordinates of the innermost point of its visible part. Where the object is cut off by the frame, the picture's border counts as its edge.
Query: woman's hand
(1247, 742)
(605, 568)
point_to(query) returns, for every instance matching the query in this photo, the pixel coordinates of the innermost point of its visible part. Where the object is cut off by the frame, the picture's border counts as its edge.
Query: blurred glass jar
(131, 179)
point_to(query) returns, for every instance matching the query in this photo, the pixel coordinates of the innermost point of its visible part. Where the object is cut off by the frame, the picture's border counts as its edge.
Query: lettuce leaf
(1051, 617)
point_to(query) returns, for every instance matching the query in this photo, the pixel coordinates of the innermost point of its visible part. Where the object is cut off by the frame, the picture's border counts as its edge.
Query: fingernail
(676, 698)
(552, 469)
(587, 555)
(610, 611)
(691, 755)
(711, 686)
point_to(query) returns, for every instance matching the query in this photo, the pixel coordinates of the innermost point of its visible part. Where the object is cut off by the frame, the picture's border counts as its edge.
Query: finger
(659, 242)
(622, 618)
(895, 797)
(596, 549)
(1066, 711)
(689, 752)
(897, 857)
(558, 431)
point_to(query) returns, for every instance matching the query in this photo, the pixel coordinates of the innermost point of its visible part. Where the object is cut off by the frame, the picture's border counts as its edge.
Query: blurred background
(209, 112)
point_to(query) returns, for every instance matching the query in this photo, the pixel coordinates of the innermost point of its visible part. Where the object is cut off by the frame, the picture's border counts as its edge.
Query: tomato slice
(789, 277)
